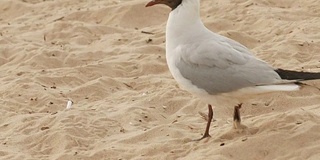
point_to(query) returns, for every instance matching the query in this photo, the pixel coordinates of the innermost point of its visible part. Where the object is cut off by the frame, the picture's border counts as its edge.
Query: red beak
(151, 3)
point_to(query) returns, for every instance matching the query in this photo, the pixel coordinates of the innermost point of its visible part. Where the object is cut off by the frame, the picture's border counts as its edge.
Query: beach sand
(108, 57)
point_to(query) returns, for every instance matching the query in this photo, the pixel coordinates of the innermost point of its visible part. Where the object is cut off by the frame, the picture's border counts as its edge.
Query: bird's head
(170, 3)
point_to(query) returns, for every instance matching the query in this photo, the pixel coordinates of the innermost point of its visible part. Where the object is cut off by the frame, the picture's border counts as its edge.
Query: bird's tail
(297, 77)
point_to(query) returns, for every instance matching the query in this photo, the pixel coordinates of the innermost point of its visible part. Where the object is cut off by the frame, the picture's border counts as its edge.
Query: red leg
(210, 115)
(236, 116)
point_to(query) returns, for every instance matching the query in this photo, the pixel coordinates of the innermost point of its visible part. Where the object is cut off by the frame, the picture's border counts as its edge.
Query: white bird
(215, 68)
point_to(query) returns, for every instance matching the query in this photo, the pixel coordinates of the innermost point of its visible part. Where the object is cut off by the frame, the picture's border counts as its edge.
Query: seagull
(215, 68)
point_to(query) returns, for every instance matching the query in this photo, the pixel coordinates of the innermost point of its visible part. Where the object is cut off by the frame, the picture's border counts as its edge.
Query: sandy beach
(108, 57)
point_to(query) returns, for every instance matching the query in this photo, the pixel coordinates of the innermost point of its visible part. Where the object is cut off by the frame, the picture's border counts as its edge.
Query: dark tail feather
(296, 75)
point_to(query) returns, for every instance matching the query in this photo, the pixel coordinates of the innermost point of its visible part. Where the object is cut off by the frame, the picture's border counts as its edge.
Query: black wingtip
(297, 75)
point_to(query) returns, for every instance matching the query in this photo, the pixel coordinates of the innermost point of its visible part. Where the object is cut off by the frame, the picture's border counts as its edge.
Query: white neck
(184, 19)
(190, 8)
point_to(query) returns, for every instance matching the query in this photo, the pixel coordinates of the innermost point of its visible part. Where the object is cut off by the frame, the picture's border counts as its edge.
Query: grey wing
(235, 45)
(219, 68)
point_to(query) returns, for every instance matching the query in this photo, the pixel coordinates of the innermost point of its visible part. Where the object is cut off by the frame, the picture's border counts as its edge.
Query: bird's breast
(173, 58)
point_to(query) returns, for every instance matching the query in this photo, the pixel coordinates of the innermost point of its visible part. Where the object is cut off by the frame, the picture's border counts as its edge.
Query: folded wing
(218, 67)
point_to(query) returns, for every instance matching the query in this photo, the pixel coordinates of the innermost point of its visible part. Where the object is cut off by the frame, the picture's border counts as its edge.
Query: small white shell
(69, 104)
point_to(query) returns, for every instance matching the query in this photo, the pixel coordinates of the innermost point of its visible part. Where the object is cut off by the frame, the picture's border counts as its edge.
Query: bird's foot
(209, 119)
(206, 135)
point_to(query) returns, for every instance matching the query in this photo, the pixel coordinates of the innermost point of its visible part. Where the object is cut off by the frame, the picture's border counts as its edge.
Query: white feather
(282, 87)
